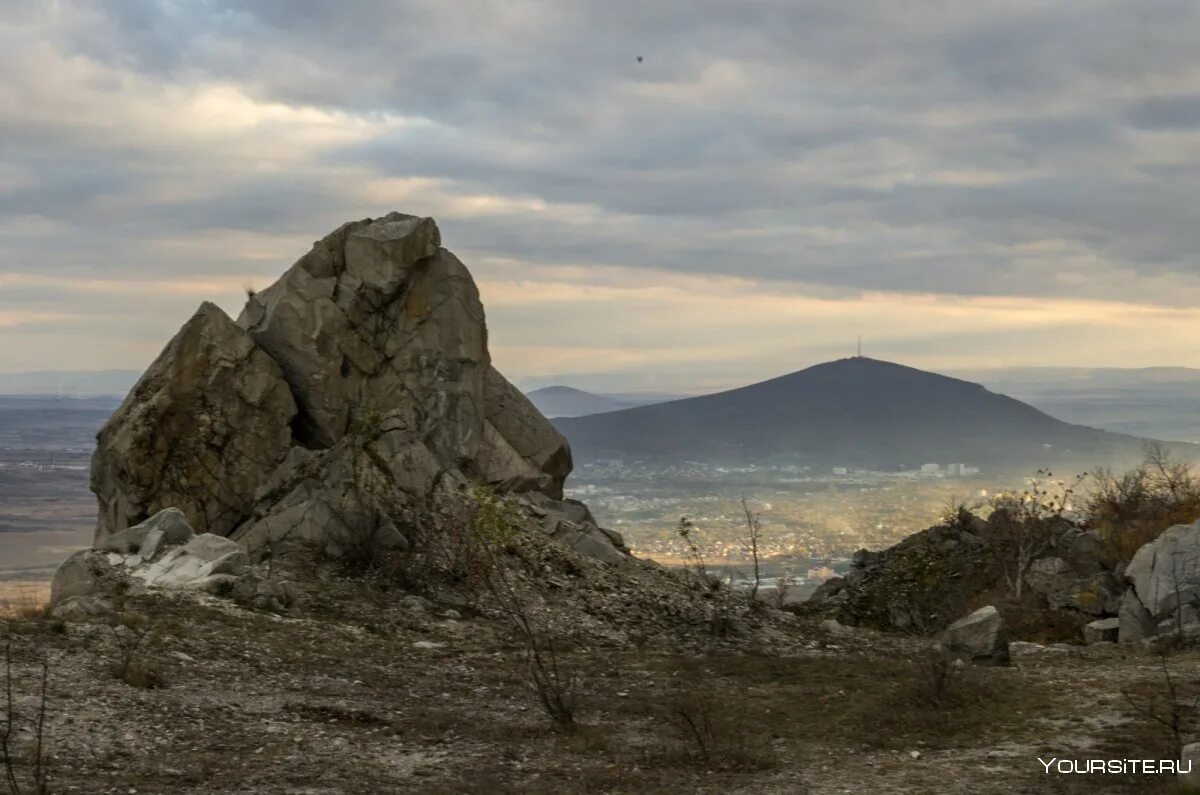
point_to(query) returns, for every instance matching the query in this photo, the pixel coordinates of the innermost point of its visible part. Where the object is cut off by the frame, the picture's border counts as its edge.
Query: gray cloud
(982, 149)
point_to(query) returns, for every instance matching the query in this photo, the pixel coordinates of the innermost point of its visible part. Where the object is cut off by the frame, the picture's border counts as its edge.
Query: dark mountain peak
(855, 411)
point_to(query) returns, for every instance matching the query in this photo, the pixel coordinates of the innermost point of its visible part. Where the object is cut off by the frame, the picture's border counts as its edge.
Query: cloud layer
(963, 183)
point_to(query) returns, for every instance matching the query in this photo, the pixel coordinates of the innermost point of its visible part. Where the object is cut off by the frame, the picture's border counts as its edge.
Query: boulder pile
(162, 552)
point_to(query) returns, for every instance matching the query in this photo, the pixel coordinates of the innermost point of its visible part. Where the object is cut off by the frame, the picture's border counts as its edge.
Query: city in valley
(812, 521)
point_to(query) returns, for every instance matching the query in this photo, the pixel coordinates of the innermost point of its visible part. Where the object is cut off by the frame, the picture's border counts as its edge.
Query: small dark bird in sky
(639, 59)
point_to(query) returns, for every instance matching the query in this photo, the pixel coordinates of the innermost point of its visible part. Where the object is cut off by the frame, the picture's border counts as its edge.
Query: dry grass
(24, 600)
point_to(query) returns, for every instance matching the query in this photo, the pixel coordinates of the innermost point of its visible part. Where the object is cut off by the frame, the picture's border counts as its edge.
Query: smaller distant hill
(567, 401)
(69, 383)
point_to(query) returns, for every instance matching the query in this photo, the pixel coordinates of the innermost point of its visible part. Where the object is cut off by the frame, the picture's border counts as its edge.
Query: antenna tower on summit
(859, 354)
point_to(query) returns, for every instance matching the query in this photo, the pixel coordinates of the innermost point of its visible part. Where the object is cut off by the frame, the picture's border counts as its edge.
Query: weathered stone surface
(201, 431)
(572, 523)
(81, 608)
(375, 317)
(1083, 588)
(88, 583)
(1106, 630)
(86, 573)
(202, 557)
(521, 451)
(979, 638)
(1135, 621)
(168, 527)
(1166, 572)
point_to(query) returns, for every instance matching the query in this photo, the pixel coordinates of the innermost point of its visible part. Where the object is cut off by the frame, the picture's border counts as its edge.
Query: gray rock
(168, 527)
(834, 627)
(1019, 648)
(81, 608)
(522, 451)
(979, 638)
(86, 573)
(190, 565)
(1166, 572)
(352, 399)
(1085, 588)
(1106, 630)
(1135, 621)
(201, 431)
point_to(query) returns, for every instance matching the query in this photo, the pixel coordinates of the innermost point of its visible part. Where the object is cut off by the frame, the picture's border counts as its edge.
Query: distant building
(841, 471)
(955, 469)
(930, 469)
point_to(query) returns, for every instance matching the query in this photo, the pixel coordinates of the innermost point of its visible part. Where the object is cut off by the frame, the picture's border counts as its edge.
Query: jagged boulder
(203, 428)
(979, 638)
(1165, 573)
(350, 398)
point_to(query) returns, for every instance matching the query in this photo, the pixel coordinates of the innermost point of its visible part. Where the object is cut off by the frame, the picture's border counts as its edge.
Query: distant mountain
(566, 401)
(855, 412)
(1161, 402)
(74, 383)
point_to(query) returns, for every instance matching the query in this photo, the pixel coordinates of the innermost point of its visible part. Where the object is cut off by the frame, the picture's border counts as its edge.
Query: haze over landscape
(774, 397)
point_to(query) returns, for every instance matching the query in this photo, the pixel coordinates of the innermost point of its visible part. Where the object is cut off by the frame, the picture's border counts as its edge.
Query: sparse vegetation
(1133, 509)
(753, 536)
(1023, 526)
(135, 638)
(695, 555)
(554, 682)
(1168, 704)
(39, 776)
(711, 726)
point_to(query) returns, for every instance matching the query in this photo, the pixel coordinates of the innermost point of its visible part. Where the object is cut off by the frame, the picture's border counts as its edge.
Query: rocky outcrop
(917, 586)
(203, 428)
(349, 398)
(980, 638)
(1165, 573)
(1164, 587)
(161, 553)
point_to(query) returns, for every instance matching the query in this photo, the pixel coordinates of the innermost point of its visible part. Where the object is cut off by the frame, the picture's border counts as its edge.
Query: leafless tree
(695, 556)
(753, 535)
(554, 683)
(1028, 524)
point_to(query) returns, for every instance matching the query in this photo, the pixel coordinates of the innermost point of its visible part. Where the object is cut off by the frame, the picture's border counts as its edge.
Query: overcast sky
(965, 184)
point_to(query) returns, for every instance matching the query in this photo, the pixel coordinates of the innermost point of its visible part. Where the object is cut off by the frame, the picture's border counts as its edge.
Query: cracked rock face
(346, 396)
(202, 429)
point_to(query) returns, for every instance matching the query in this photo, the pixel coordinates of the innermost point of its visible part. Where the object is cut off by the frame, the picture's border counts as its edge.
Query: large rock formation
(348, 397)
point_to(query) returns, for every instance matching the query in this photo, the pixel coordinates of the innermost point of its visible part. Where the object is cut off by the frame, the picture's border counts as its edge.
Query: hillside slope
(856, 412)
